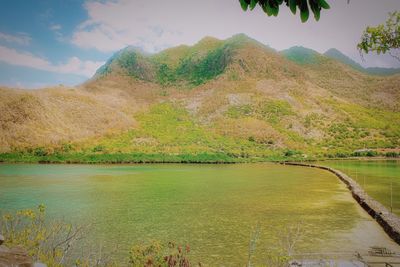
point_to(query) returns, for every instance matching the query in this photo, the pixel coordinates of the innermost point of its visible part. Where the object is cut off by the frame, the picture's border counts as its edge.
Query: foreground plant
(49, 243)
(283, 250)
(155, 254)
(52, 243)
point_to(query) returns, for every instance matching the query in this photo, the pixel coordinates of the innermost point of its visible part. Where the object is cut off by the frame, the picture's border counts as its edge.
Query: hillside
(233, 97)
(339, 56)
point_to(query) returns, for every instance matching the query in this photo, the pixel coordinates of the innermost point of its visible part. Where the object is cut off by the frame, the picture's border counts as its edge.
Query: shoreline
(120, 158)
(142, 158)
(386, 219)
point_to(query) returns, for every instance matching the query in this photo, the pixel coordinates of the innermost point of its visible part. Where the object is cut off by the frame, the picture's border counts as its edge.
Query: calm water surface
(379, 178)
(214, 208)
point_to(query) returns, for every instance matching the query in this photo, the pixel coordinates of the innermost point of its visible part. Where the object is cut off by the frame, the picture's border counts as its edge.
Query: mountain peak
(333, 51)
(301, 55)
(207, 43)
(339, 56)
(208, 39)
(241, 39)
(132, 48)
(299, 48)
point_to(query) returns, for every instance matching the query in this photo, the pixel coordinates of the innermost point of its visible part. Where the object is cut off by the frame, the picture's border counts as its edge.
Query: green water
(379, 178)
(214, 208)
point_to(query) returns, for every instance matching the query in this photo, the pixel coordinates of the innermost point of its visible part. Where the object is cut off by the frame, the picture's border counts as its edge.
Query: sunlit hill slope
(233, 97)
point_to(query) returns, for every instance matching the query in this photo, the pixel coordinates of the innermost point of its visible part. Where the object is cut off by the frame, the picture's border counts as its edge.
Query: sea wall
(389, 221)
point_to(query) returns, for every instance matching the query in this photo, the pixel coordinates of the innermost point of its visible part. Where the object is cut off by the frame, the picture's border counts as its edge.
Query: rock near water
(17, 256)
(14, 257)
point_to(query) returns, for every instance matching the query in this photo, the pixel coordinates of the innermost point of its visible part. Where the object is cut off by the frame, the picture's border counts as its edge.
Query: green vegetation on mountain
(194, 67)
(302, 55)
(216, 101)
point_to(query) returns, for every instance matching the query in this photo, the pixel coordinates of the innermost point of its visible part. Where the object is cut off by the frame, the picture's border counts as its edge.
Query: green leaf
(317, 14)
(292, 6)
(276, 10)
(324, 4)
(267, 8)
(244, 4)
(304, 15)
(253, 4)
(315, 8)
(304, 12)
(273, 7)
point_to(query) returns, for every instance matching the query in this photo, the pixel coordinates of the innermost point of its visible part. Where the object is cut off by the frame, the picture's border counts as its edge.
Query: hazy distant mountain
(233, 96)
(336, 54)
(301, 55)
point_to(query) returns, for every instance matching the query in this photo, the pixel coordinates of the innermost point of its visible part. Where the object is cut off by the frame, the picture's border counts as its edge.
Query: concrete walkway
(389, 221)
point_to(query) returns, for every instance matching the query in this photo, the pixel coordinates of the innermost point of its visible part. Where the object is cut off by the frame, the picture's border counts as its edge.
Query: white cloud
(157, 24)
(55, 27)
(20, 38)
(73, 66)
(152, 25)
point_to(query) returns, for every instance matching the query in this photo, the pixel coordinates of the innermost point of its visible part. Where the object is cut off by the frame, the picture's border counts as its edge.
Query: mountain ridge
(235, 97)
(337, 55)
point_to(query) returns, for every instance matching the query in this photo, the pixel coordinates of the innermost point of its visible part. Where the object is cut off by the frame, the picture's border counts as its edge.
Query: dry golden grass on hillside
(253, 129)
(261, 97)
(49, 117)
(354, 86)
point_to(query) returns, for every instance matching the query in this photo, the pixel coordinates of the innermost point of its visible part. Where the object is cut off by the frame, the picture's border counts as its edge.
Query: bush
(154, 254)
(67, 147)
(341, 155)
(392, 154)
(251, 139)
(98, 148)
(40, 152)
(291, 153)
(274, 110)
(371, 153)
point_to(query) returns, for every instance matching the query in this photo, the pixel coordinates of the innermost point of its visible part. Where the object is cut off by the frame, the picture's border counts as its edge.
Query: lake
(214, 208)
(379, 178)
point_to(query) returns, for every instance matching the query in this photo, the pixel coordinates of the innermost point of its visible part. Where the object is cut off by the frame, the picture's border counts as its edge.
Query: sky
(52, 42)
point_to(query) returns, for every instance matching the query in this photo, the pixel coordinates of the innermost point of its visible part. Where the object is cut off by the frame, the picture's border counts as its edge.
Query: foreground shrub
(45, 242)
(155, 254)
(52, 243)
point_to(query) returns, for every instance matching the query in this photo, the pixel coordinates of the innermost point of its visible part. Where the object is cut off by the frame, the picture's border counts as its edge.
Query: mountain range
(234, 97)
(339, 56)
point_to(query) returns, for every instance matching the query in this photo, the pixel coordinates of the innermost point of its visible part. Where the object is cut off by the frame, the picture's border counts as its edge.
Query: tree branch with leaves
(384, 38)
(271, 7)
